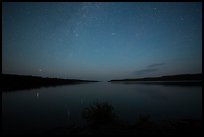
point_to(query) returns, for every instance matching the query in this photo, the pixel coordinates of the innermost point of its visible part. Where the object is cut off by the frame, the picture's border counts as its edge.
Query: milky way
(101, 41)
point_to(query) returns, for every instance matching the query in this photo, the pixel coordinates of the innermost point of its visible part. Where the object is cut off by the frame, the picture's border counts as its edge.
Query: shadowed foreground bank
(19, 82)
(102, 120)
(186, 127)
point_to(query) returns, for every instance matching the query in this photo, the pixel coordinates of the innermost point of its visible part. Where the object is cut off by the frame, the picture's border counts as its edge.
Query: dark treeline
(181, 77)
(17, 82)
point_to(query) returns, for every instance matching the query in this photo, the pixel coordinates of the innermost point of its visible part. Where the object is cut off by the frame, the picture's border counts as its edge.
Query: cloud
(146, 71)
(149, 69)
(155, 65)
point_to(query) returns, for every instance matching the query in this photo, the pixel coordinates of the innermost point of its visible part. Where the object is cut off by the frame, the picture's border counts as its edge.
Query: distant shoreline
(164, 83)
(12, 82)
(182, 79)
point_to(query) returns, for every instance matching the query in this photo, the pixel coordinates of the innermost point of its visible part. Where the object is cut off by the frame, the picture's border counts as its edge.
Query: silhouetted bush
(99, 114)
(143, 122)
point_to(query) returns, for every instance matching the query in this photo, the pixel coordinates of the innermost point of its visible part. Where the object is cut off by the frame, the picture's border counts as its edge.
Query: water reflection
(60, 106)
(37, 95)
(68, 113)
(82, 101)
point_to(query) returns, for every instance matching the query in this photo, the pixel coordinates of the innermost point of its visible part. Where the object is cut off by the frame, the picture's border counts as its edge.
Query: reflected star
(37, 94)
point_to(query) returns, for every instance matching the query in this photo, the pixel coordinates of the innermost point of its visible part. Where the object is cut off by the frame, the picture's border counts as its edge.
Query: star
(71, 54)
(28, 12)
(40, 70)
(137, 34)
(76, 34)
(84, 15)
(181, 18)
(155, 8)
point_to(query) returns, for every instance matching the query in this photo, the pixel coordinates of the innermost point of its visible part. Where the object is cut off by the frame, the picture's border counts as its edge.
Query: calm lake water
(45, 109)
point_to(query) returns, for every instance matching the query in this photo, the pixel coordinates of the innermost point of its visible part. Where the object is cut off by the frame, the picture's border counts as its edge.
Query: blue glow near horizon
(101, 41)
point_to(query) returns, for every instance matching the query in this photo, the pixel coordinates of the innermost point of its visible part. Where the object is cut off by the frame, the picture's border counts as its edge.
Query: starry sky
(101, 41)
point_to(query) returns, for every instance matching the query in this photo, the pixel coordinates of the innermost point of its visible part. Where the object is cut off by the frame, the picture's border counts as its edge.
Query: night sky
(101, 41)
